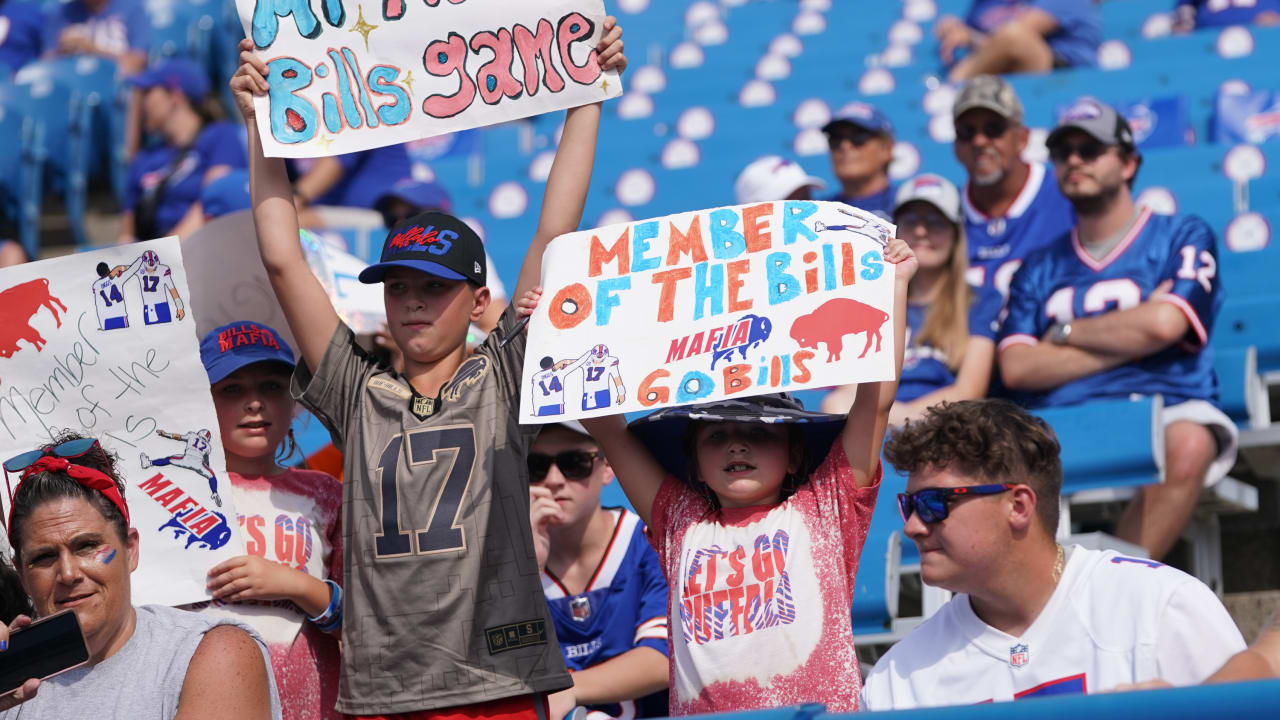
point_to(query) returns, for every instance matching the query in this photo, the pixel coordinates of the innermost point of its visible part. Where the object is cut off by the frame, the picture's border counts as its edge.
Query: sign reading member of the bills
(104, 344)
(732, 301)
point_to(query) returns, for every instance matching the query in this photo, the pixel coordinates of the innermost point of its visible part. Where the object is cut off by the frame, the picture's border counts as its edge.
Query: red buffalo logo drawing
(18, 305)
(833, 320)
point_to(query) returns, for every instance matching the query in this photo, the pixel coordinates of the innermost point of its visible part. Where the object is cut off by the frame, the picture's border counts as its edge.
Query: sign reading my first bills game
(705, 305)
(104, 344)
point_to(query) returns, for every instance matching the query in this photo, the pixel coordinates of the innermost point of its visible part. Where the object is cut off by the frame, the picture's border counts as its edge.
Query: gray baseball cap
(991, 93)
(1096, 118)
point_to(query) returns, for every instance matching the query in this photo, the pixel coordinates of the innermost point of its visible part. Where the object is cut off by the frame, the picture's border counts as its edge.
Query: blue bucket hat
(664, 431)
(228, 348)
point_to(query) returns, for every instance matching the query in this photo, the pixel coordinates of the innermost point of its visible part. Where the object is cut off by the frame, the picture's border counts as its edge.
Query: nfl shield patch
(580, 608)
(1018, 655)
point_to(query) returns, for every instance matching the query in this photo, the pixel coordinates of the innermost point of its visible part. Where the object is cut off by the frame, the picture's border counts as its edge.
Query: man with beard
(1011, 207)
(1123, 304)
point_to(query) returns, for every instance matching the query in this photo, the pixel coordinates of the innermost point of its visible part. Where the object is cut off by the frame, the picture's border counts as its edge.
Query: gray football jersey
(443, 600)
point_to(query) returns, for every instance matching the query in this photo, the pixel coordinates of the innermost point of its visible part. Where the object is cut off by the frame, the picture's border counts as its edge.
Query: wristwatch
(1059, 333)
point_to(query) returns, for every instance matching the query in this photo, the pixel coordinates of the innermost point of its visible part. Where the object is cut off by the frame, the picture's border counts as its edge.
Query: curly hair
(42, 487)
(994, 440)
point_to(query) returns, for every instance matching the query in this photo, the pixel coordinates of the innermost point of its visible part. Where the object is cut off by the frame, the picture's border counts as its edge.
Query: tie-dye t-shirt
(759, 597)
(293, 519)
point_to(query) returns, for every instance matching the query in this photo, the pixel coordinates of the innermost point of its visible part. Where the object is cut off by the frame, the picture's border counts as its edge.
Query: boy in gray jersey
(443, 611)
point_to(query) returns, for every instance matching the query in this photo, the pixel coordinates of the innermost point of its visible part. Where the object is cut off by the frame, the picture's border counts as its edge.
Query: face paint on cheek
(105, 555)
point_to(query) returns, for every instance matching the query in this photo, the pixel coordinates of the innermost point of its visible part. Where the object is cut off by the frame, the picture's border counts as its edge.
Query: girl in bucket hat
(758, 510)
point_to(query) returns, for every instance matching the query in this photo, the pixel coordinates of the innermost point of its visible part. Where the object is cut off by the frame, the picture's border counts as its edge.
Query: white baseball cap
(772, 177)
(933, 189)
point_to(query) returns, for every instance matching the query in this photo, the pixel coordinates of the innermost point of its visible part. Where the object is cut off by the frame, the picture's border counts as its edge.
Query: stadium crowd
(1027, 285)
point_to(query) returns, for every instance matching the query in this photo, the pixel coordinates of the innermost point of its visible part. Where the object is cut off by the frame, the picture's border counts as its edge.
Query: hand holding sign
(355, 81)
(701, 306)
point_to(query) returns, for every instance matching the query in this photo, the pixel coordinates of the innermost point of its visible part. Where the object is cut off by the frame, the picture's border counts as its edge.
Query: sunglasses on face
(857, 137)
(1088, 151)
(573, 464)
(933, 504)
(991, 130)
(931, 222)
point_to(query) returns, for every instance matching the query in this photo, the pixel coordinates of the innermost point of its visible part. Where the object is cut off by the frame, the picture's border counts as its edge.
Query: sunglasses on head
(991, 130)
(1088, 151)
(573, 464)
(933, 504)
(66, 450)
(857, 136)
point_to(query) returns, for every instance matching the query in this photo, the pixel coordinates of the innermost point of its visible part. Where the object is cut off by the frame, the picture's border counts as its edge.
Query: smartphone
(41, 650)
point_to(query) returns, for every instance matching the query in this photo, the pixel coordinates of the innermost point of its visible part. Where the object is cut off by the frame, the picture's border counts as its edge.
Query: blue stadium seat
(1242, 395)
(1132, 454)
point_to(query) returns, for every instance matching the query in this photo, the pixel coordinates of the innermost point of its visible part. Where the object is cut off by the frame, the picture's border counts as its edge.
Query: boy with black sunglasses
(1030, 618)
(602, 579)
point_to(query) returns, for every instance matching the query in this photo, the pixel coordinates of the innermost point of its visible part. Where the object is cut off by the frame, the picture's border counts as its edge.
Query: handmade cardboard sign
(700, 306)
(348, 75)
(104, 344)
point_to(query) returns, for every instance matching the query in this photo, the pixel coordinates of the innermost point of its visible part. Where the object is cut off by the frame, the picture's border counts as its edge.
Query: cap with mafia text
(989, 92)
(435, 243)
(226, 349)
(1096, 118)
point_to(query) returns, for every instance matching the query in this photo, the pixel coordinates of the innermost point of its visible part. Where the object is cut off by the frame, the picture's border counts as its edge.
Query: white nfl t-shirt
(1111, 620)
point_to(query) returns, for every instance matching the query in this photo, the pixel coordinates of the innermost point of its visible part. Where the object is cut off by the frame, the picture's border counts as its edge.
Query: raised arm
(637, 469)
(566, 192)
(306, 305)
(869, 416)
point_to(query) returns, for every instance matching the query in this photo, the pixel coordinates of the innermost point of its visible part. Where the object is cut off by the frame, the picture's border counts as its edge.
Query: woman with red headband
(73, 549)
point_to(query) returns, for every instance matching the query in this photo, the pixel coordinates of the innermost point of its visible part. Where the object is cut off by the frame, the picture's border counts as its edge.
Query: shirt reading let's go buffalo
(759, 597)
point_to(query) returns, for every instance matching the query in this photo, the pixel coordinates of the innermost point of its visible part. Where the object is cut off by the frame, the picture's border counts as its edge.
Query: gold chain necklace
(1059, 564)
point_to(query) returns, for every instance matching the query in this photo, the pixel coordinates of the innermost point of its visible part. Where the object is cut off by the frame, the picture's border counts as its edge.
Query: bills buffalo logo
(1086, 109)
(580, 608)
(188, 519)
(471, 373)
(21, 303)
(833, 320)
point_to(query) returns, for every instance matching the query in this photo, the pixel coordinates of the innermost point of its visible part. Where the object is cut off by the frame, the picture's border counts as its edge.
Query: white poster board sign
(695, 307)
(103, 343)
(347, 75)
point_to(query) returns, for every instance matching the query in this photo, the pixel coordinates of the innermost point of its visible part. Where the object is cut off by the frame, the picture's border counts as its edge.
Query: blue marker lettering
(694, 386)
(607, 297)
(708, 286)
(783, 286)
(382, 82)
(640, 236)
(726, 243)
(872, 265)
(293, 118)
(794, 213)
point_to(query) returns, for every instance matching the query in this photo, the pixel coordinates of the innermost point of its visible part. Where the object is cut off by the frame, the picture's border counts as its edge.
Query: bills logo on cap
(858, 110)
(416, 237)
(1019, 656)
(580, 608)
(1142, 120)
(1082, 110)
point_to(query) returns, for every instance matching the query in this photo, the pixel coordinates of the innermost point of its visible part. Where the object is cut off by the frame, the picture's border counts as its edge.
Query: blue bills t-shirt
(21, 39)
(120, 26)
(924, 367)
(1075, 40)
(217, 144)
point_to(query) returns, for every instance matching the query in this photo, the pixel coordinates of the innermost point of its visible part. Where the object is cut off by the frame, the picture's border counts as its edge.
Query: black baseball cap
(435, 243)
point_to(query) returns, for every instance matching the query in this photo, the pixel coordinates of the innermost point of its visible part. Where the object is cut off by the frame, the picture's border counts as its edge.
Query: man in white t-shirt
(1030, 618)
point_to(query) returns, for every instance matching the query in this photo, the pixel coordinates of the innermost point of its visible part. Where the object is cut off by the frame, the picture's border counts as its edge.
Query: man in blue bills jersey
(603, 581)
(1123, 304)
(1011, 207)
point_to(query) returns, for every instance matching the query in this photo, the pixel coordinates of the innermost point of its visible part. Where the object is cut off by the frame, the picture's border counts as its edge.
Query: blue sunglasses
(69, 449)
(933, 504)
